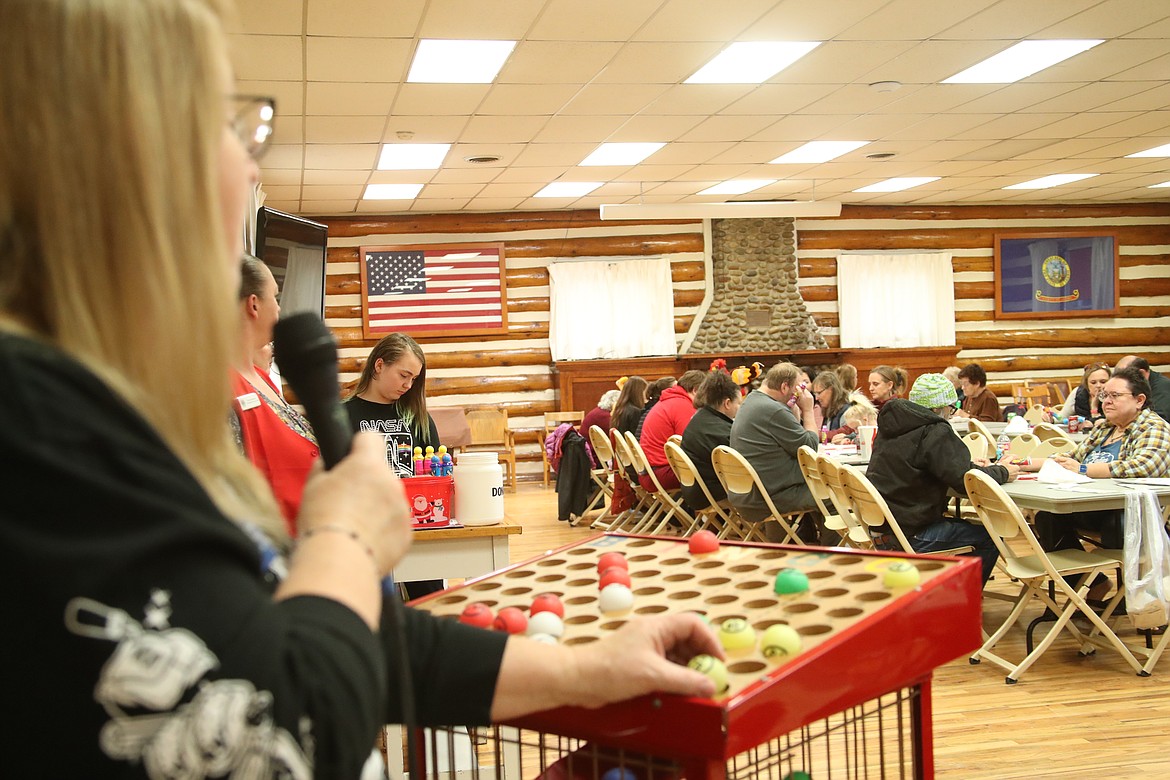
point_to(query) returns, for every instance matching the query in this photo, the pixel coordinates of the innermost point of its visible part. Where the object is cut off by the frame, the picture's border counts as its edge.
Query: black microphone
(306, 353)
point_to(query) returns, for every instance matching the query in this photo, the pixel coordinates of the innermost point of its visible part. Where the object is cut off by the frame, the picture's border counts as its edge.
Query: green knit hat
(933, 391)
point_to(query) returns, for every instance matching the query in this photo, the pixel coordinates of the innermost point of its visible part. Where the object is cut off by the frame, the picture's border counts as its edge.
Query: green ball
(713, 668)
(789, 581)
(798, 775)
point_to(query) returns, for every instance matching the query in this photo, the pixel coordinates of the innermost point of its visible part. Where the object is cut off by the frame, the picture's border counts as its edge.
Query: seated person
(886, 382)
(917, 459)
(653, 393)
(833, 401)
(1084, 401)
(952, 373)
(599, 416)
(772, 424)
(670, 416)
(978, 401)
(1131, 442)
(1159, 399)
(718, 400)
(860, 412)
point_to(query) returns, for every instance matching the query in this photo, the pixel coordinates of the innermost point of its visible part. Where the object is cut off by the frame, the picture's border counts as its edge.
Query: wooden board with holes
(860, 639)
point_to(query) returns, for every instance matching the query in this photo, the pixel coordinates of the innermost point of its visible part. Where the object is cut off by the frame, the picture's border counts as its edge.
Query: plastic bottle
(1003, 446)
(825, 433)
(479, 489)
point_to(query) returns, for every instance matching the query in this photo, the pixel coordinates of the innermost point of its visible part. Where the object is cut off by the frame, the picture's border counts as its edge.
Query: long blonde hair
(111, 229)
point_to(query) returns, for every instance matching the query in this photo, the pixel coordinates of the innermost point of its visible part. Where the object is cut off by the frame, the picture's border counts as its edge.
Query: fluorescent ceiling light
(1021, 61)
(392, 191)
(458, 62)
(567, 189)
(898, 184)
(737, 186)
(1157, 151)
(819, 151)
(734, 210)
(412, 157)
(621, 153)
(1163, 184)
(751, 62)
(1050, 181)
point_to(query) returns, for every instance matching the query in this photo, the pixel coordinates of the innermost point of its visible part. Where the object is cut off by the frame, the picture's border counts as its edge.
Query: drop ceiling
(584, 73)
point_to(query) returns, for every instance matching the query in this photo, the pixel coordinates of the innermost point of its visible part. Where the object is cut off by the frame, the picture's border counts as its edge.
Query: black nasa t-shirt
(400, 439)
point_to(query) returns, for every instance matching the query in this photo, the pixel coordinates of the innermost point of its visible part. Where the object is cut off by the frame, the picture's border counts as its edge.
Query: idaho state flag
(1055, 275)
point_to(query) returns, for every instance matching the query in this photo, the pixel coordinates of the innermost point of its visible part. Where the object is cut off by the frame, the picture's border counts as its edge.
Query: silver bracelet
(351, 533)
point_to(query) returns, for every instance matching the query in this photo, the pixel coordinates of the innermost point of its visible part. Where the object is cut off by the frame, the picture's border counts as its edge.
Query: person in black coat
(718, 399)
(917, 458)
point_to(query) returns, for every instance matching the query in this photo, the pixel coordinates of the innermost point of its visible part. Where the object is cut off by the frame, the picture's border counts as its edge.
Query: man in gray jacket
(772, 424)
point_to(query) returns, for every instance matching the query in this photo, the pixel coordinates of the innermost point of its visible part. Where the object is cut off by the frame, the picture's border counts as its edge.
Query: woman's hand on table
(841, 438)
(1066, 462)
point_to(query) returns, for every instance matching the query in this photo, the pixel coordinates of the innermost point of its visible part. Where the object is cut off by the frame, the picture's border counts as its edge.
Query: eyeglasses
(1103, 396)
(252, 122)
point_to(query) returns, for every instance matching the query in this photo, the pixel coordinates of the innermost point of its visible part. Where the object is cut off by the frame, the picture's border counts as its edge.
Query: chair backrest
(830, 471)
(621, 449)
(637, 456)
(733, 470)
(977, 425)
(1061, 389)
(999, 515)
(684, 469)
(810, 468)
(488, 426)
(1027, 394)
(552, 420)
(1024, 444)
(868, 505)
(1054, 446)
(1044, 431)
(979, 445)
(676, 438)
(1035, 414)
(602, 446)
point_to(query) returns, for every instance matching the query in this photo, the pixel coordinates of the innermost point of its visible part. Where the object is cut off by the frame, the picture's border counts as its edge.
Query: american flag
(416, 290)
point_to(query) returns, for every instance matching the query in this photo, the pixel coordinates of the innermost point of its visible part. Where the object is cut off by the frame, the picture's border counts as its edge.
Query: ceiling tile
(612, 98)
(281, 176)
(344, 156)
(689, 20)
(567, 154)
(272, 17)
(439, 99)
(457, 157)
(1023, 19)
(530, 99)
(727, 128)
(457, 19)
(557, 62)
(494, 204)
(266, 57)
(287, 94)
(349, 192)
(502, 129)
(340, 97)
(603, 20)
(477, 174)
(357, 59)
(335, 177)
(424, 129)
(663, 129)
(327, 207)
(1108, 19)
(654, 173)
(344, 129)
(283, 192)
(846, 62)
(697, 99)
(806, 20)
(280, 155)
(368, 18)
(590, 130)
(906, 19)
(656, 62)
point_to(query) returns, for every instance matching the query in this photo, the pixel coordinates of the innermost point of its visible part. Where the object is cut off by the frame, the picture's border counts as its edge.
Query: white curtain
(611, 309)
(892, 299)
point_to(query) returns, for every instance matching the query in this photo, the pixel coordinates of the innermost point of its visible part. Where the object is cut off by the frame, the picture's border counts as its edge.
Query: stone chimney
(757, 305)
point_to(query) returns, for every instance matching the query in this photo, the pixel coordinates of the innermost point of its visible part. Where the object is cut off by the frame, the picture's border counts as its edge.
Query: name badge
(248, 401)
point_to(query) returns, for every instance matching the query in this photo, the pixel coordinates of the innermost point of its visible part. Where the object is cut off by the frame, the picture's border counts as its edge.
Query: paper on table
(1053, 473)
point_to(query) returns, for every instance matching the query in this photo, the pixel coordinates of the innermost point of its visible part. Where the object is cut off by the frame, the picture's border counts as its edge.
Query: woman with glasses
(128, 516)
(1130, 442)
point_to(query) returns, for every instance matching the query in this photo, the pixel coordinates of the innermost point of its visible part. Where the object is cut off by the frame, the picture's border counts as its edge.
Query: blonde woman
(123, 180)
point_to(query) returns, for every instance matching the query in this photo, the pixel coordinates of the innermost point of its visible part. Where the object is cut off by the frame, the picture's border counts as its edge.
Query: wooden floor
(1069, 717)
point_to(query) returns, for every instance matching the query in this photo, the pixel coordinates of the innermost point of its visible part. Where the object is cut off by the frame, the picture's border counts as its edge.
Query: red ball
(479, 615)
(703, 542)
(547, 602)
(512, 620)
(614, 574)
(612, 559)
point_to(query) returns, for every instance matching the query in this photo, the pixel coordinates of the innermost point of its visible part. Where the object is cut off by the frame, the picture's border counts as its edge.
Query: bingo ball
(547, 602)
(615, 598)
(612, 559)
(736, 635)
(614, 574)
(789, 581)
(619, 773)
(713, 668)
(546, 623)
(512, 620)
(901, 574)
(479, 615)
(780, 642)
(798, 775)
(702, 542)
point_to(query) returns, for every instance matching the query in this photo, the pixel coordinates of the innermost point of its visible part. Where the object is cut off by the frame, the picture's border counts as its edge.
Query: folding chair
(552, 421)
(717, 515)
(1034, 414)
(1023, 445)
(1044, 431)
(671, 503)
(852, 533)
(1049, 447)
(872, 510)
(1037, 572)
(602, 476)
(979, 427)
(1027, 395)
(645, 507)
(979, 445)
(737, 476)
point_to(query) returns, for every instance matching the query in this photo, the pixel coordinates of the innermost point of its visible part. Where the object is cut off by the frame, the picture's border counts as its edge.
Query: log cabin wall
(1009, 350)
(512, 371)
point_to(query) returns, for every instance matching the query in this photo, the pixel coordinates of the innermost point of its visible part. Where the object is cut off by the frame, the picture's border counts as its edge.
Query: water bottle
(1003, 446)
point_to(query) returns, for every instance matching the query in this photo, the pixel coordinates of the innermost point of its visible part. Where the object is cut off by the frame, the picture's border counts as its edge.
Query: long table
(1083, 497)
(456, 553)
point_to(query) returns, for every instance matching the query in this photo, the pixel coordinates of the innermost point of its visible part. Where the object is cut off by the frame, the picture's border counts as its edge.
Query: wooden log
(953, 238)
(683, 298)
(1005, 211)
(1151, 286)
(822, 292)
(687, 271)
(1072, 365)
(605, 246)
(343, 284)
(525, 277)
(963, 290)
(470, 359)
(1125, 312)
(351, 336)
(1073, 336)
(819, 267)
(486, 222)
(517, 383)
(826, 319)
(683, 323)
(1136, 261)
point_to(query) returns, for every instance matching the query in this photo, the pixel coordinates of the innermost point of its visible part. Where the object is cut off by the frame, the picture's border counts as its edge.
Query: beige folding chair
(717, 516)
(1044, 431)
(1027, 395)
(830, 471)
(737, 476)
(490, 433)
(1023, 445)
(603, 476)
(671, 503)
(1037, 571)
(979, 445)
(1034, 414)
(552, 421)
(979, 427)
(645, 505)
(871, 509)
(1050, 447)
(852, 533)
(1061, 389)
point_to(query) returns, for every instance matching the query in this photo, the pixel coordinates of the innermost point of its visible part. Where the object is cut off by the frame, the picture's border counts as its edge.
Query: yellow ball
(780, 643)
(901, 574)
(736, 635)
(713, 668)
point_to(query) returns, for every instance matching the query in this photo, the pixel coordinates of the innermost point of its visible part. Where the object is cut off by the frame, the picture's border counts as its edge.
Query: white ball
(546, 623)
(616, 598)
(543, 639)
